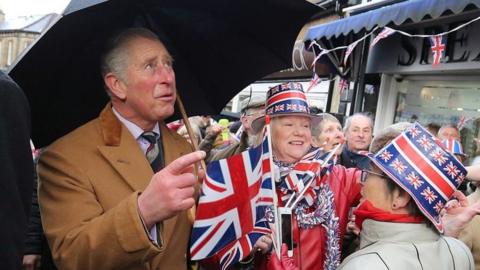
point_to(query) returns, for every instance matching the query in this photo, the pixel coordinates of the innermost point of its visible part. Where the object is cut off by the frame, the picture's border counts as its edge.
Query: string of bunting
(437, 42)
(315, 81)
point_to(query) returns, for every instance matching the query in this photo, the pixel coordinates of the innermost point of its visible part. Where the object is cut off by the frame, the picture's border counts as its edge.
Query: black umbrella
(219, 47)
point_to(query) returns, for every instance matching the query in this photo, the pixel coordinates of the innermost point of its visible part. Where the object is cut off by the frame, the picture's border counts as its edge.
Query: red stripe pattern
(416, 162)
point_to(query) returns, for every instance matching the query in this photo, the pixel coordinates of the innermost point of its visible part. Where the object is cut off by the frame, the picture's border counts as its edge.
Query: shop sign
(399, 54)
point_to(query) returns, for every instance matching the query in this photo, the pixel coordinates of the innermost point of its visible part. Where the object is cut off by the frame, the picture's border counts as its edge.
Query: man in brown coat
(102, 204)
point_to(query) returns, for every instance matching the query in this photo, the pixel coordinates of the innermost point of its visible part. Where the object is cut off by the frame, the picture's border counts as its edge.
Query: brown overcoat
(89, 181)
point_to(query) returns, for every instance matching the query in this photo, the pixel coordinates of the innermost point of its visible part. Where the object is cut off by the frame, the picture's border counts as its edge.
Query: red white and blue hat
(453, 146)
(422, 167)
(285, 100)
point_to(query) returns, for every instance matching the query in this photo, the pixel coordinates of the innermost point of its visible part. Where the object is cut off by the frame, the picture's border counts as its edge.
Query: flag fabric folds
(231, 211)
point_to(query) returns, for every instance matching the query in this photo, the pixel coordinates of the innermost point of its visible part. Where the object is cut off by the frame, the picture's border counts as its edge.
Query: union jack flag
(424, 169)
(414, 180)
(349, 51)
(398, 166)
(236, 251)
(315, 80)
(425, 142)
(343, 85)
(387, 31)
(439, 156)
(438, 206)
(414, 131)
(231, 211)
(438, 48)
(429, 195)
(307, 168)
(386, 156)
(451, 170)
(462, 121)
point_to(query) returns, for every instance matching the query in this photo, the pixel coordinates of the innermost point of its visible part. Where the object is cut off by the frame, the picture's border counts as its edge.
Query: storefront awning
(412, 10)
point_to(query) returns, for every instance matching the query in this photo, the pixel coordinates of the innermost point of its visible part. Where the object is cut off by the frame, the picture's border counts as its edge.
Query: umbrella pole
(189, 129)
(191, 211)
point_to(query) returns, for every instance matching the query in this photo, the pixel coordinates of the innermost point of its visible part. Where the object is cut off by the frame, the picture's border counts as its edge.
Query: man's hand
(31, 262)
(457, 214)
(171, 190)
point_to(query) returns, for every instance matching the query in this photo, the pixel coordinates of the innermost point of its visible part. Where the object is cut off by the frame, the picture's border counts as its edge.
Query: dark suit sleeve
(16, 168)
(33, 241)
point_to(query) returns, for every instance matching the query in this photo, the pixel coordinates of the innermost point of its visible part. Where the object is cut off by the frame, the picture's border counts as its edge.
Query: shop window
(442, 102)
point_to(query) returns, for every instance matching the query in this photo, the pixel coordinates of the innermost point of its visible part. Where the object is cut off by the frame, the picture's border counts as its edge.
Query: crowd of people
(119, 191)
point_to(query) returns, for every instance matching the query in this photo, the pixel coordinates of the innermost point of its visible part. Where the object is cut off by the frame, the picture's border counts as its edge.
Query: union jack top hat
(453, 146)
(419, 165)
(285, 100)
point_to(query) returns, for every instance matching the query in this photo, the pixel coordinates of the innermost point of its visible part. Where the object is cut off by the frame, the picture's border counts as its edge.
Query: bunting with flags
(438, 48)
(386, 32)
(314, 82)
(349, 51)
(343, 85)
(462, 121)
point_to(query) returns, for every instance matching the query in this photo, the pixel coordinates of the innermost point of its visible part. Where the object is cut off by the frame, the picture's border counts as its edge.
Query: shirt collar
(135, 130)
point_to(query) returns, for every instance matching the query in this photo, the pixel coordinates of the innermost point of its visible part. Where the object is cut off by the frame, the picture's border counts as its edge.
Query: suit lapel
(125, 156)
(122, 151)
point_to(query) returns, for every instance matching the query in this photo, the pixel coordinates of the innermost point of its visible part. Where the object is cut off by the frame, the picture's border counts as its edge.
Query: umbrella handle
(191, 212)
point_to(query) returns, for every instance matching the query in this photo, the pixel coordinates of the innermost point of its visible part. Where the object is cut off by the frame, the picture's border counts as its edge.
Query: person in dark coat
(36, 253)
(16, 166)
(358, 132)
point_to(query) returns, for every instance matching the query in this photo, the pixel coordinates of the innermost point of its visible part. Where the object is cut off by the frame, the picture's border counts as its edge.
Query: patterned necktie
(154, 152)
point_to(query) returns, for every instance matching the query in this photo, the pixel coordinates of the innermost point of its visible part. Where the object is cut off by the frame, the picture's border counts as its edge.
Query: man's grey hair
(115, 57)
(317, 129)
(348, 121)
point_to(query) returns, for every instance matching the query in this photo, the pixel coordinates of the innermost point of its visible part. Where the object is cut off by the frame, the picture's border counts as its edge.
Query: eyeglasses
(365, 173)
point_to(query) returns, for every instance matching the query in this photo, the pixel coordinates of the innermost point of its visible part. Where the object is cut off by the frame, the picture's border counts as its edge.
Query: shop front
(429, 65)
(414, 88)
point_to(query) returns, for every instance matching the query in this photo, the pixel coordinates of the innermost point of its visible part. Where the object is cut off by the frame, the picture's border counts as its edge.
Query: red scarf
(366, 210)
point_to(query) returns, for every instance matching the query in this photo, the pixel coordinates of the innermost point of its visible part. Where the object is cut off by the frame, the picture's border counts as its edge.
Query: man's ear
(400, 199)
(115, 85)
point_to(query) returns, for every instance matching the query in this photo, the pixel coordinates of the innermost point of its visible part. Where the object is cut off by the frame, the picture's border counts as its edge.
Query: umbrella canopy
(218, 46)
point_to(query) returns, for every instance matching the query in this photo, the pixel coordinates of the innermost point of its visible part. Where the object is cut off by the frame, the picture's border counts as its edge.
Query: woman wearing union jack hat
(402, 213)
(321, 214)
